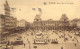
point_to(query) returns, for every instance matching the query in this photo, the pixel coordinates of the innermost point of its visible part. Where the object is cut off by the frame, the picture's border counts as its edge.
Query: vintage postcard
(39, 24)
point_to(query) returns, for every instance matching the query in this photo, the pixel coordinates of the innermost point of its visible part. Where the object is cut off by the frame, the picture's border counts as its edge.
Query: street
(28, 41)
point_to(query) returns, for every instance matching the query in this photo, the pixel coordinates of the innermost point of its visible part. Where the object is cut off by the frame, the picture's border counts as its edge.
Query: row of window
(40, 40)
(48, 28)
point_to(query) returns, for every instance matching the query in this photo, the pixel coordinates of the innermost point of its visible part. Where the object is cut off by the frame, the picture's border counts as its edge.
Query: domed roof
(37, 17)
(64, 18)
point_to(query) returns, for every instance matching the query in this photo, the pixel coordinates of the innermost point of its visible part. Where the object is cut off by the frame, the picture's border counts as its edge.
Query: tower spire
(7, 8)
(6, 2)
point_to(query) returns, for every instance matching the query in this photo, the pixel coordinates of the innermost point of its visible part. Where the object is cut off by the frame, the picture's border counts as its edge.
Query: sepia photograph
(39, 24)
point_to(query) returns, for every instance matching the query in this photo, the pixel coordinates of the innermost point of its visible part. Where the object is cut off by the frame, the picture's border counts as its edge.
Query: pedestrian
(48, 40)
(61, 47)
(75, 44)
(24, 45)
(12, 46)
(77, 41)
(8, 43)
(56, 39)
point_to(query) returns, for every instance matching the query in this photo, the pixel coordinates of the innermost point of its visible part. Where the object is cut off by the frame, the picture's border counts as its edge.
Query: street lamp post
(0, 37)
(29, 44)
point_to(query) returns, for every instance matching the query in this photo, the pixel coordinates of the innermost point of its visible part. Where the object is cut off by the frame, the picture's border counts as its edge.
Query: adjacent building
(22, 24)
(50, 24)
(2, 23)
(10, 23)
(63, 24)
(78, 24)
(7, 22)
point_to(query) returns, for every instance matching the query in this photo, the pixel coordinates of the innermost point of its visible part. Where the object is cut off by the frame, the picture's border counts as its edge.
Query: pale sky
(49, 11)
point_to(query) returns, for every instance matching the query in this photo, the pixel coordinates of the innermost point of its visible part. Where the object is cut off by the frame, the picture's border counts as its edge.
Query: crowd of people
(61, 36)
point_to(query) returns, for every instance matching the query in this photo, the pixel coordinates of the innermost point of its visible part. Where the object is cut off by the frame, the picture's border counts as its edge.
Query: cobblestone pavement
(28, 41)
